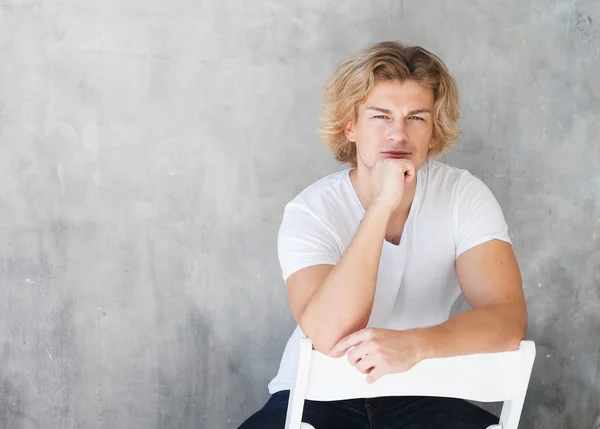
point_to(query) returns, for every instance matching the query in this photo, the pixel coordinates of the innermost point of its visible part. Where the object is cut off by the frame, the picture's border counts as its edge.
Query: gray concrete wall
(147, 149)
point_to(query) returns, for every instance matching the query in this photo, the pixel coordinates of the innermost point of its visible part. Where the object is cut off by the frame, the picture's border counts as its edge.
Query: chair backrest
(488, 377)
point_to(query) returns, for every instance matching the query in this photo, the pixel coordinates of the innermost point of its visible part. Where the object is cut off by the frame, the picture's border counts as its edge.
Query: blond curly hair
(385, 61)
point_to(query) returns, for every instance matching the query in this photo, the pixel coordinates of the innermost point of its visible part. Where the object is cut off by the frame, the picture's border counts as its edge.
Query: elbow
(514, 342)
(323, 345)
(325, 330)
(322, 337)
(322, 340)
(518, 333)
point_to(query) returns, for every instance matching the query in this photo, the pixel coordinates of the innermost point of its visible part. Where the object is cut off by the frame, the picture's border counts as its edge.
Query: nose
(396, 132)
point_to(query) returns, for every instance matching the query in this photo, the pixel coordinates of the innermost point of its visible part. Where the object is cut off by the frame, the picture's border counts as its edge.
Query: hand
(388, 179)
(378, 352)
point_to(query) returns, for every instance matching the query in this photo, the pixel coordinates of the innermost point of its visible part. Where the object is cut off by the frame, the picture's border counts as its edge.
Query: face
(395, 121)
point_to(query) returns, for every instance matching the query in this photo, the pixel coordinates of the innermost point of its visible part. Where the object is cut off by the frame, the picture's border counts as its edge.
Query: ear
(432, 143)
(349, 131)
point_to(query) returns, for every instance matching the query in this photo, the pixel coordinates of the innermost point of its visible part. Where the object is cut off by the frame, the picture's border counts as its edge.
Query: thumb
(409, 175)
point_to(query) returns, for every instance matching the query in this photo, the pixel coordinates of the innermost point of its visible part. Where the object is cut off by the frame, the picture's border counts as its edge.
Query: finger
(359, 351)
(410, 173)
(375, 374)
(345, 343)
(366, 364)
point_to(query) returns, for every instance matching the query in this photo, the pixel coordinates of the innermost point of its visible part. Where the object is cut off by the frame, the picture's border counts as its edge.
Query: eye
(418, 118)
(380, 117)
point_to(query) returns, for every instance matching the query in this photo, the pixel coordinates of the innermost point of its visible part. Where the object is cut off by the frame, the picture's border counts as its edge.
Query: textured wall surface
(147, 149)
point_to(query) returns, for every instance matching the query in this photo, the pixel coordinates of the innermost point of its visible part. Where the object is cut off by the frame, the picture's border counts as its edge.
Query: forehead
(398, 94)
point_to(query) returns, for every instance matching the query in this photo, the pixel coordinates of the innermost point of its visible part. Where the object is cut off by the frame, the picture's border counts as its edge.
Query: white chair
(489, 377)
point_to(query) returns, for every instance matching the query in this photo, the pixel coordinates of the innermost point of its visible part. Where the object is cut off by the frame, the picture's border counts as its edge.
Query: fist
(388, 179)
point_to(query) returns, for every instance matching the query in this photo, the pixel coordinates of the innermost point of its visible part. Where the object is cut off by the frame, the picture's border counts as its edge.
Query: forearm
(343, 303)
(485, 330)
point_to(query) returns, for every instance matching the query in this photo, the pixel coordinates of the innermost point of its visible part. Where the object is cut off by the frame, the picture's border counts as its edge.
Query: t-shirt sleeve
(304, 241)
(479, 217)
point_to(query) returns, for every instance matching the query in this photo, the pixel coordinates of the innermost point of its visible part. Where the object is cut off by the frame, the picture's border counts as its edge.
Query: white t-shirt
(452, 211)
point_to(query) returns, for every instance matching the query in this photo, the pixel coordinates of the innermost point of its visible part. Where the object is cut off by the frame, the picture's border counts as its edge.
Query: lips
(396, 154)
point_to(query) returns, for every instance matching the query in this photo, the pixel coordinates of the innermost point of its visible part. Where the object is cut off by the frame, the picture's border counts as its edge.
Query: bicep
(303, 284)
(488, 274)
(308, 251)
(486, 266)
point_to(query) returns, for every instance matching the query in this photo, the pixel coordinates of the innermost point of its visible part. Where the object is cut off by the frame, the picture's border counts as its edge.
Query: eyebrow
(389, 112)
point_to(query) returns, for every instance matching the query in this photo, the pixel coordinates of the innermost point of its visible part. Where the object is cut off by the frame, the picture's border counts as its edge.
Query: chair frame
(485, 377)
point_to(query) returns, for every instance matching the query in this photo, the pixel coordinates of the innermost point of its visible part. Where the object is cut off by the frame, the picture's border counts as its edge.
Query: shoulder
(444, 176)
(454, 182)
(329, 209)
(323, 196)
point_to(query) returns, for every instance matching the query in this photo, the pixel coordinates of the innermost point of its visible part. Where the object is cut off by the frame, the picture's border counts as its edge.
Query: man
(374, 256)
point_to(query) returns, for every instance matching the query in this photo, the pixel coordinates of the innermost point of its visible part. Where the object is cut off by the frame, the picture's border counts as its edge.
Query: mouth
(396, 154)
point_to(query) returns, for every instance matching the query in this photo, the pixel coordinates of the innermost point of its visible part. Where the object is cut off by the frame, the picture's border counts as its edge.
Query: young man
(374, 256)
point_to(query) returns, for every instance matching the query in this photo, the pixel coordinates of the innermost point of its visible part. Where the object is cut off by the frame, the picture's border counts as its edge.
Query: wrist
(425, 342)
(380, 208)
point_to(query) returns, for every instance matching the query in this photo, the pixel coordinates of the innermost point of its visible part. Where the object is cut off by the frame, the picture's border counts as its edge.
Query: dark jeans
(402, 412)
